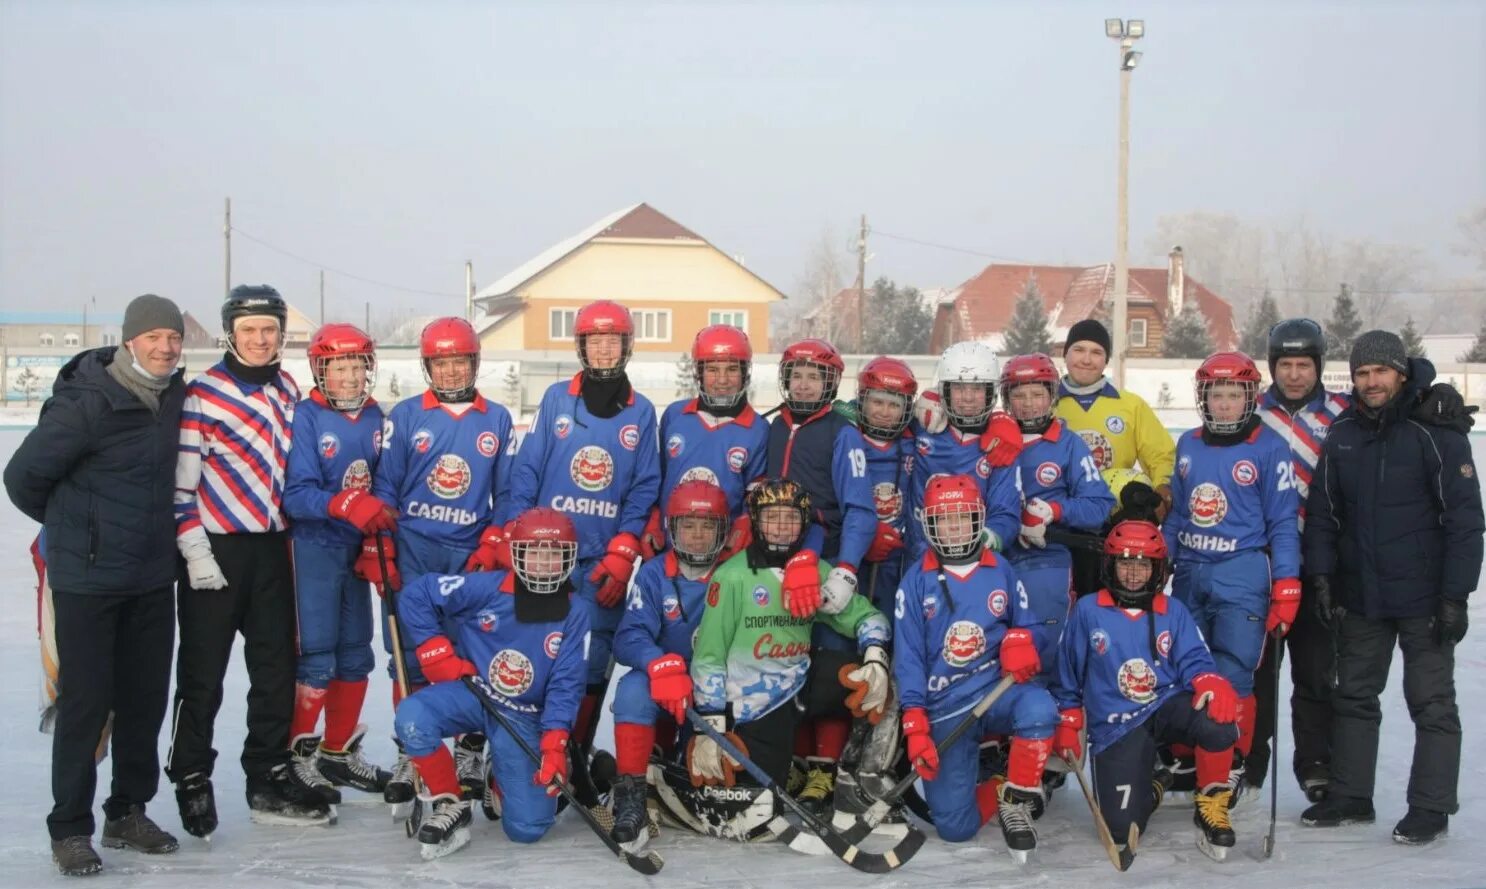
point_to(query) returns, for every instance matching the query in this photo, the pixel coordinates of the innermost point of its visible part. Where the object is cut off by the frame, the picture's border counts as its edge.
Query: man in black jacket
(1393, 544)
(98, 472)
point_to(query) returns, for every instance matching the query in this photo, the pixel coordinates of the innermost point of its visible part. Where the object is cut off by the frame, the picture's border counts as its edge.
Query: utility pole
(1126, 33)
(368, 319)
(227, 238)
(861, 322)
(322, 297)
(469, 291)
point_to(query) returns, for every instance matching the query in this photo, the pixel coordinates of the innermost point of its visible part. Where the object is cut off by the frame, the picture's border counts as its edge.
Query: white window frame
(726, 316)
(71, 339)
(46, 339)
(556, 312)
(1138, 341)
(652, 325)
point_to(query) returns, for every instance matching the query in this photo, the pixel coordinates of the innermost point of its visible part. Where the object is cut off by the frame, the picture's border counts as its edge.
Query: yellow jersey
(1120, 430)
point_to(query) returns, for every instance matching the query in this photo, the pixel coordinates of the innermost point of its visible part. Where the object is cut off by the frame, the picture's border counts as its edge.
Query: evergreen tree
(1263, 315)
(512, 382)
(1187, 335)
(686, 376)
(1343, 327)
(393, 387)
(1477, 352)
(896, 322)
(1412, 342)
(1027, 332)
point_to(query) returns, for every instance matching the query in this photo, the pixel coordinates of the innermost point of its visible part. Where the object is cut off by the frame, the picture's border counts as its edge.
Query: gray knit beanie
(1379, 347)
(151, 312)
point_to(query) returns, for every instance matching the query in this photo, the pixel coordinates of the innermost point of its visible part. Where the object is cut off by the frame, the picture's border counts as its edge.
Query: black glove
(1317, 592)
(1450, 621)
(1443, 405)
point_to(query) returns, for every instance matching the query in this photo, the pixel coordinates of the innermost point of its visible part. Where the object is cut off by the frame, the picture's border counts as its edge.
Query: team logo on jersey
(737, 458)
(562, 425)
(761, 596)
(1467, 470)
(699, 473)
(552, 644)
(1048, 473)
(1099, 447)
(422, 441)
(488, 619)
(1245, 472)
(1099, 641)
(358, 475)
(1208, 505)
(377, 441)
(931, 607)
(925, 447)
(714, 594)
(487, 444)
(329, 446)
(996, 601)
(674, 445)
(1137, 681)
(888, 500)
(450, 477)
(629, 436)
(670, 606)
(983, 467)
(1163, 643)
(1115, 425)
(1183, 465)
(964, 641)
(592, 468)
(511, 672)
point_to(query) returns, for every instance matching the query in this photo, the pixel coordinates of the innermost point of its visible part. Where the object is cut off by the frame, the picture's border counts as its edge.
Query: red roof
(983, 301)
(644, 221)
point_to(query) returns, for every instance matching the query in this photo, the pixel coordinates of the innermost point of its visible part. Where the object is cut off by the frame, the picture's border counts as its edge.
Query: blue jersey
(336, 451)
(825, 455)
(1107, 665)
(947, 632)
(538, 669)
(728, 452)
(953, 452)
(1304, 431)
(1241, 497)
(446, 473)
(604, 474)
(661, 615)
(1056, 467)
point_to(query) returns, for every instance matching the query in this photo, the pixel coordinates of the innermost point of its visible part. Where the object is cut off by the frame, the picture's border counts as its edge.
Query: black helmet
(253, 299)
(1297, 338)
(777, 492)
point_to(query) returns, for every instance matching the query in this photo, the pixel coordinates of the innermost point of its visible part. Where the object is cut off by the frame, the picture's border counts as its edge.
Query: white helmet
(972, 362)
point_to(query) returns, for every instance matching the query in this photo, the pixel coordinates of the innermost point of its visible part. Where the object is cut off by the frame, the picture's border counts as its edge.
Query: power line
(345, 274)
(965, 250)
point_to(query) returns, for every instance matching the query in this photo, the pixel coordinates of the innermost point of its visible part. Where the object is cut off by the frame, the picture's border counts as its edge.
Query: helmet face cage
(953, 543)
(1136, 596)
(966, 420)
(830, 378)
(319, 364)
(722, 401)
(715, 542)
(534, 564)
(626, 347)
(883, 433)
(1030, 424)
(459, 393)
(1226, 427)
(772, 493)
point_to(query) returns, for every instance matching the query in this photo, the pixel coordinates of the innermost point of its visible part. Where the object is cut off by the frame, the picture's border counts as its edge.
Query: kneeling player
(1135, 661)
(959, 611)
(522, 634)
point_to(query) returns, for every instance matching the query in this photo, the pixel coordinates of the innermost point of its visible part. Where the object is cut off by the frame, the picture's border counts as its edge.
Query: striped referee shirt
(1304, 431)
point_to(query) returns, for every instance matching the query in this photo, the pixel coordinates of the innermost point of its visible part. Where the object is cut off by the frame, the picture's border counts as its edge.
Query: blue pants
(1229, 600)
(416, 556)
(447, 709)
(1047, 576)
(1025, 711)
(335, 616)
(604, 621)
(632, 701)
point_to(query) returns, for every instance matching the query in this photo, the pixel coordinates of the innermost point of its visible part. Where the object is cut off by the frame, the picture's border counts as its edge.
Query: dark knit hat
(1091, 330)
(151, 312)
(1380, 347)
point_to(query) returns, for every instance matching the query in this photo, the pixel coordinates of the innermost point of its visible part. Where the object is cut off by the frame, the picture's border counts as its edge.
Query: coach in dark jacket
(1393, 541)
(98, 472)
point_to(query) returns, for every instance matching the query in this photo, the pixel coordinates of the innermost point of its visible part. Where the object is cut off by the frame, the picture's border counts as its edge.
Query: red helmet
(1136, 539)
(334, 341)
(604, 316)
(953, 495)
(697, 499)
(1227, 368)
(884, 376)
(814, 353)
(449, 338)
(542, 529)
(722, 343)
(1034, 368)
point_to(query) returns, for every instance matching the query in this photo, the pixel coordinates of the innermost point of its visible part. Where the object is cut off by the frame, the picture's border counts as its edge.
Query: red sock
(830, 737)
(804, 739)
(342, 712)
(985, 799)
(1248, 711)
(1024, 763)
(1185, 751)
(632, 745)
(1212, 766)
(308, 702)
(437, 771)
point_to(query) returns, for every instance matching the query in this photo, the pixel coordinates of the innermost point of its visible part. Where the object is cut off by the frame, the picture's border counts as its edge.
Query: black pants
(114, 655)
(259, 603)
(1311, 666)
(771, 738)
(1365, 651)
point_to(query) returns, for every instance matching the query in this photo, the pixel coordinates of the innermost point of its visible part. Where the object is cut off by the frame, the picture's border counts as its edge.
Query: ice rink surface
(367, 849)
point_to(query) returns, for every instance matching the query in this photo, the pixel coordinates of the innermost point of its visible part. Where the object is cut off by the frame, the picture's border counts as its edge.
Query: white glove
(836, 592)
(1036, 516)
(929, 411)
(202, 569)
(868, 684)
(705, 759)
(992, 540)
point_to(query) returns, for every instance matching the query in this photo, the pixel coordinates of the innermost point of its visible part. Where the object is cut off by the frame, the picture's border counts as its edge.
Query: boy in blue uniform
(885, 391)
(525, 637)
(1134, 660)
(328, 495)
(960, 623)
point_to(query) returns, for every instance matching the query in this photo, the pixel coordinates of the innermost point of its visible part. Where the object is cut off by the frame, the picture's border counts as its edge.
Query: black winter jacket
(99, 472)
(1394, 512)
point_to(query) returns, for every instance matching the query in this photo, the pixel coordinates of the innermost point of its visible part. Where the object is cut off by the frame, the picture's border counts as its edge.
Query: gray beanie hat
(1379, 347)
(150, 312)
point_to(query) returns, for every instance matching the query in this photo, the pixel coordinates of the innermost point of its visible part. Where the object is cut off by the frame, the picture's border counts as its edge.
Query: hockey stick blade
(847, 851)
(1120, 858)
(648, 863)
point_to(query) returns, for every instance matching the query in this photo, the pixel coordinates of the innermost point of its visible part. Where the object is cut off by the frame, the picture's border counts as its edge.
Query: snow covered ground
(366, 849)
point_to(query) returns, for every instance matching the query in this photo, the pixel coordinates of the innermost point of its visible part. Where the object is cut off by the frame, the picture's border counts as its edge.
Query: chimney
(1176, 281)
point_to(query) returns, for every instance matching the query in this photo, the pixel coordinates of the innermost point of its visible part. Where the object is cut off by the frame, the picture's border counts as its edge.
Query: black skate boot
(1211, 816)
(1315, 780)
(1335, 811)
(400, 792)
(277, 798)
(445, 828)
(136, 831)
(348, 768)
(1238, 781)
(630, 818)
(1014, 811)
(1421, 826)
(820, 787)
(469, 765)
(197, 804)
(1183, 771)
(1161, 780)
(304, 766)
(75, 856)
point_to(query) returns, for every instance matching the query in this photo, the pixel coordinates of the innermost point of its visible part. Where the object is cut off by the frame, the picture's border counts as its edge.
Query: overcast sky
(395, 141)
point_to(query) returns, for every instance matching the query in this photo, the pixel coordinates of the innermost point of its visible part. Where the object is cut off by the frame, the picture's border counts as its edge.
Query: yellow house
(672, 280)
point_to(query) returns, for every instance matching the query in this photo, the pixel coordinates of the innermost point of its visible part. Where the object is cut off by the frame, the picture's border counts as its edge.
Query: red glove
(883, 545)
(493, 552)
(1066, 741)
(1019, 658)
(439, 663)
(653, 539)
(1002, 440)
(1214, 692)
(554, 768)
(367, 513)
(614, 568)
(1284, 602)
(739, 536)
(921, 750)
(369, 566)
(670, 685)
(802, 584)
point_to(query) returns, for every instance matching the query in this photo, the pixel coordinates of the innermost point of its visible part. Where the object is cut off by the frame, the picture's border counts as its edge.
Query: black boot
(349, 768)
(197, 804)
(75, 856)
(1014, 811)
(304, 765)
(1315, 780)
(1211, 815)
(1421, 826)
(469, 765)
(630, 816)
(1334, 811)
(136, 831)
(277, 798)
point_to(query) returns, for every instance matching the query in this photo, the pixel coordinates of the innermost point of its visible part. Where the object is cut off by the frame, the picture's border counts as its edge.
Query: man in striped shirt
(231, 529)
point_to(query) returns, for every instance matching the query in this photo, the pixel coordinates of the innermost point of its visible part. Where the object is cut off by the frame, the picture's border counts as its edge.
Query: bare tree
(1473, 236)
(1305, 270)
(822, 278)
(1222, 251)
(1378, 274)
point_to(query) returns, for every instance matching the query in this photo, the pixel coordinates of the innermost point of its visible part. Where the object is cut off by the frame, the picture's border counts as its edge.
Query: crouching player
(525, 637)
(1133, 659)
(958, 627)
